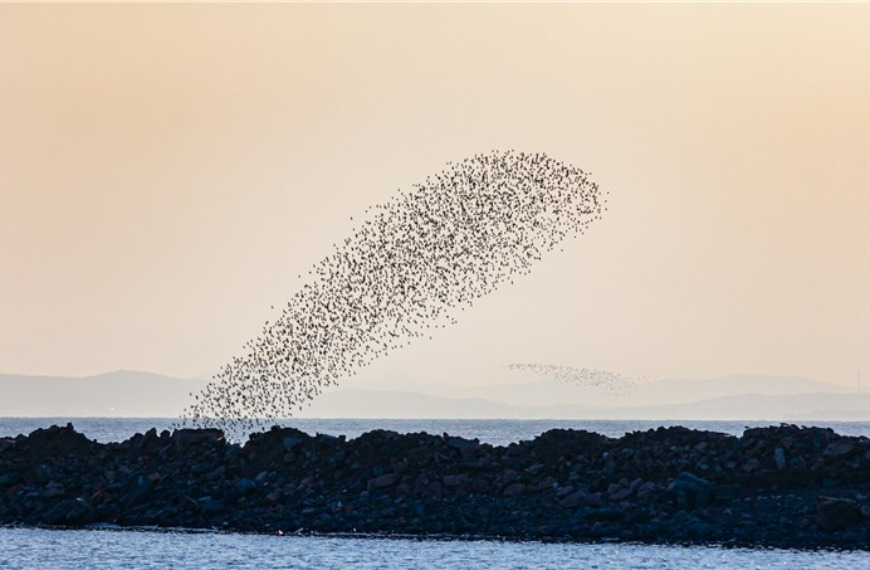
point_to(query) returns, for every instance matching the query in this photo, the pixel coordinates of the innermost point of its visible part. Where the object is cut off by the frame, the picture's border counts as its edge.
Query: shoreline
(782, 487)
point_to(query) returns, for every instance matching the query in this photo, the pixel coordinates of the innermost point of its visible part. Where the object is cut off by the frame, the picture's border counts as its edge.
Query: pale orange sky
(166, 171)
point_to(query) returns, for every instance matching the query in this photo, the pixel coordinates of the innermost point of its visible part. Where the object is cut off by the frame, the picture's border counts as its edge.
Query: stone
(691, 492)
(209, 505)
(509, 475)
(291, 442)
(383, 481)
(53, 489)
(454, 480)
(605, 514)
(434, 490)
(646, 491)
(245, 486)
(514, 489)
(137, 490)
(621, 491)
(620, 494)
(186, 437)
(838, 449)
(578, 499)
(700, 530)
(480, 485)
(274, 497)
(461, 444)
(752, 464)
(833, 514)
(6, 443)
(779, 458)
(44, 474)
(69, 512)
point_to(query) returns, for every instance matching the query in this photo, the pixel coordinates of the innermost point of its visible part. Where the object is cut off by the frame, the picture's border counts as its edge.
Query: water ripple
(38, 549)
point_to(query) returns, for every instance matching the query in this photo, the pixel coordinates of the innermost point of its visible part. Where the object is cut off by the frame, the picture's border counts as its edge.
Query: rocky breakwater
(779, 486)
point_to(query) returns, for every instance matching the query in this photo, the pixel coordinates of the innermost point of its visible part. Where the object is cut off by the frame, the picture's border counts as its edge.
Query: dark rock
(274, 497)
(461, 444)
(580, 499)
(245, 486)
(44, 474)
(186, 437)
(605, 514)
(835, 514)
(839, 448)
(759, 489)
(508, 476)
(136, 491)
(53, 489)
(291, 442)
(434, 490)
(700, 530)
(691, 492)
(779, 458)
(515, 489)
(752, 464)
(383, 481)
(69, 512)
(209, 505)
(480, 485)
(646, 491)
(455, 480)
(6, 443)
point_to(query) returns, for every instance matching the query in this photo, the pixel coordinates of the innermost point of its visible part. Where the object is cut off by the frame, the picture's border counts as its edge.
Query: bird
(593, 377)
(412, 264)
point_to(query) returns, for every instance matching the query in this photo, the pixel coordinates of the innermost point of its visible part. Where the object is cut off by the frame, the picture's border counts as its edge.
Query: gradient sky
(166, 172)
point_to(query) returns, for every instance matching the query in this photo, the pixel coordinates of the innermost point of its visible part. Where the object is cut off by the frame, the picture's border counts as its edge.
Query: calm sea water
(32, 549)
(496, 432)
(42, 549)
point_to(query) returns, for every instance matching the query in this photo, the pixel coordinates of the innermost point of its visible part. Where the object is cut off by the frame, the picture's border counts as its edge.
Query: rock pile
(782, 486)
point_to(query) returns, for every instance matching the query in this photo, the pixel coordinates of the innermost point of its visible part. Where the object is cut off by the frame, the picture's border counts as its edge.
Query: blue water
(31, 549)
(42, 549)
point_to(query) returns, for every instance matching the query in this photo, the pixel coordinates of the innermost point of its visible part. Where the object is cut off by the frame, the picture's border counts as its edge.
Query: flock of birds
(592, 377)
(417, 260)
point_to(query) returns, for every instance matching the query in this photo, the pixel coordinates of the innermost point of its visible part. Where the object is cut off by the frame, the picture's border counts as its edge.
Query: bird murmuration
(418, 258)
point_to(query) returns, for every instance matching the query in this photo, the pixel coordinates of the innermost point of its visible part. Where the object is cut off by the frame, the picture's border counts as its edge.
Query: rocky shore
(783, 486)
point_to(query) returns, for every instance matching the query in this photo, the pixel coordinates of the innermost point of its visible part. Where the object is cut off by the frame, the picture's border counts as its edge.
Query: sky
(167, 172)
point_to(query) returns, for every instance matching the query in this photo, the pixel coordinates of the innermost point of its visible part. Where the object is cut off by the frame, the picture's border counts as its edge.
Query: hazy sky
(166, 171)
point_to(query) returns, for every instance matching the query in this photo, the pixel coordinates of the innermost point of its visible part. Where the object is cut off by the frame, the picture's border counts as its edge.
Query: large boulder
(187, 437)
(691, 492)
(834, 513)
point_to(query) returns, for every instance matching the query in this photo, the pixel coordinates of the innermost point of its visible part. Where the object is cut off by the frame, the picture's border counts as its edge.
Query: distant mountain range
(545, 392)
(125, 393)
(122, 393)
(353, 403)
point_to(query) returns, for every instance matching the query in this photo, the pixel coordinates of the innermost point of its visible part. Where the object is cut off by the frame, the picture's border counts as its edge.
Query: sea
(107, 547)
